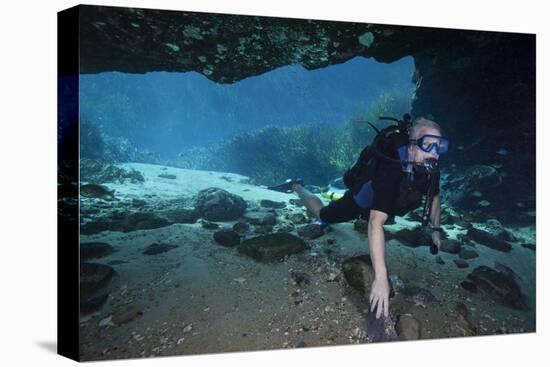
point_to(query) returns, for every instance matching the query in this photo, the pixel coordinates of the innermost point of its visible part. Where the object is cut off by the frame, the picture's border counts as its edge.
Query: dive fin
(287, 185)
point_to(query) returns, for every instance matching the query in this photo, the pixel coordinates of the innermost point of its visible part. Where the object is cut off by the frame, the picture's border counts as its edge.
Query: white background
(28, 181)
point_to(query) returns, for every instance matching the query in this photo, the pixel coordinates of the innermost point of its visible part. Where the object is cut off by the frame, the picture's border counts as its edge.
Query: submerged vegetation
(315, 152)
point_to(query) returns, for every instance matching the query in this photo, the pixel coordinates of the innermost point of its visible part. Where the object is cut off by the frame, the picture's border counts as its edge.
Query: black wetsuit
(391, 190)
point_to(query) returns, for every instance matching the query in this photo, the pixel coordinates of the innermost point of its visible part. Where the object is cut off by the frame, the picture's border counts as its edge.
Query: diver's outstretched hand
(436, 239)
(380, 296)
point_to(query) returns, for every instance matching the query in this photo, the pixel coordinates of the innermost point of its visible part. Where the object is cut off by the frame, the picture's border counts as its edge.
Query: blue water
(169, 112)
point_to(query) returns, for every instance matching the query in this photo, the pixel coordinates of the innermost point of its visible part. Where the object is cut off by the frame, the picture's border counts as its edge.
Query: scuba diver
(391, 177)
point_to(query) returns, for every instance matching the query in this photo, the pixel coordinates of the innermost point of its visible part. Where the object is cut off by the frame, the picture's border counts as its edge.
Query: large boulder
(227, 237)
(499, 286)
(359, 273)
(415, 237)
(219, 205)
(93, 278)
(487, 239)
(451, 246)
(408, 328)
(94, 250)
(310, 231)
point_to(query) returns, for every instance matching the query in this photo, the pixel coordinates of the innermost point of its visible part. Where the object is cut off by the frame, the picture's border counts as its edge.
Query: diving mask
(428, 143)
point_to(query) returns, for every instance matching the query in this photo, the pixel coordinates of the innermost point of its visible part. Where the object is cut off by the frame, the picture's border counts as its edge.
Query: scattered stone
(499, 286)
(227, 237)
(297, 218)
(420, 296)
(285, 227)
(361, 226)
(241, 227)
(97, 191)
(530, 246)
(496, 229)
(219, 205)
(158, 248)
(140, 220)
(271, 247)
(96, 226)
(410, 237)
(272, 204)
(408, 328)
(468, 254)
(263, 229)
(301, 344)
(451, 246)
(439, 260)
(138, 203)
(269, 219)
(126, 315)
(94, 277)
(301, 279)
(188, 216)
(255, 217)
(310, 231)
(359, 273)
(209, 225)
(94, 250)
(126, 223)
(485, 238)
(460, 263)
(167, 176)
(296, 202)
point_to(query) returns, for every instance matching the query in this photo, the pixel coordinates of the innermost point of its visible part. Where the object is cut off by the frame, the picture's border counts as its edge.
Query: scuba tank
(363, 168)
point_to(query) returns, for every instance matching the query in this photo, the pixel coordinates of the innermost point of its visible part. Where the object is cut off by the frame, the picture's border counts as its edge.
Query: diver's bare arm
(376, 242)
(436, 211)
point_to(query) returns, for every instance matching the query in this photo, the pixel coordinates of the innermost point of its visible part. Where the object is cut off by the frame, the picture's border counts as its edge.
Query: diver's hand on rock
(379, 296)
(436, 238)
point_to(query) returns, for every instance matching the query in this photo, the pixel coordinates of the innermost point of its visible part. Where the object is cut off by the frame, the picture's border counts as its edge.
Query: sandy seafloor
(202, 297)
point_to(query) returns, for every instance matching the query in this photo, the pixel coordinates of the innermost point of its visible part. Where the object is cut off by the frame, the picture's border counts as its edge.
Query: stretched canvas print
(233, 183)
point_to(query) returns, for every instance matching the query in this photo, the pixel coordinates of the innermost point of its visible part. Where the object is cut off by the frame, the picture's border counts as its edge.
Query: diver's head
(426, 141)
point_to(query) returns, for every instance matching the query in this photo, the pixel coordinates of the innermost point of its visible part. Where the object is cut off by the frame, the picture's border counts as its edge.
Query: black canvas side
(67, 186)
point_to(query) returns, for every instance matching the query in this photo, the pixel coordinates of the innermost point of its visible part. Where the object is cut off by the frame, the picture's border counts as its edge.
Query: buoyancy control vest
(383, 147)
